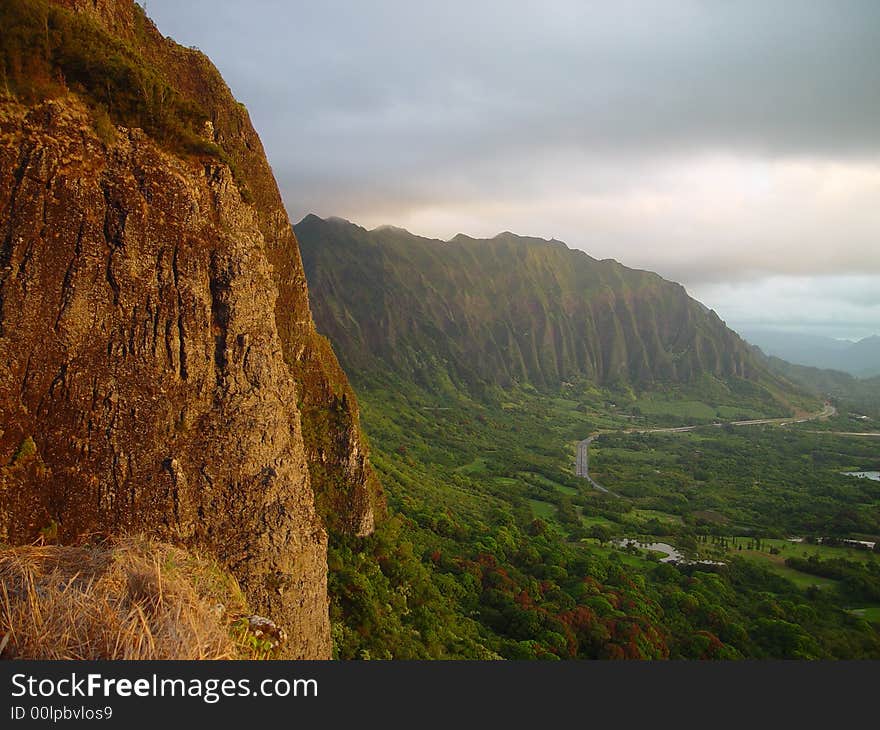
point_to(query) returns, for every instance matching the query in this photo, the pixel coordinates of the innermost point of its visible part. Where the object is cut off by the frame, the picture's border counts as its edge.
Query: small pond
(672, 555)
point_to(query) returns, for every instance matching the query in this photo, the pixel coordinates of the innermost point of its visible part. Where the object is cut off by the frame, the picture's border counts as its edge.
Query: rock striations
(512, 309)
(159, 367)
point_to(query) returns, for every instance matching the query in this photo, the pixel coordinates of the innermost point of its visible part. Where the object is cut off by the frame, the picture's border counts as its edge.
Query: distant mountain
(507, 310)
(861, 358)
(849, 394)
(864, 356)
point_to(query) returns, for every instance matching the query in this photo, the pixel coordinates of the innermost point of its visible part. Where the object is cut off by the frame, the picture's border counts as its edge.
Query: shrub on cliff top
(46, 51)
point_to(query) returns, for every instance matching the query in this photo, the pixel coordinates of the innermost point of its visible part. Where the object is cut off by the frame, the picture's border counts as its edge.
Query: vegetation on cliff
(127, 599)
(484, 314)
(47, 51)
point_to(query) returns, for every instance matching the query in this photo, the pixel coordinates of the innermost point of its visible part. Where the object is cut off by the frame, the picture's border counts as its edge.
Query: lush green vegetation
(775, 481)
(854, 397)
(479, 365)
(47, 51)
(495, 548)
(478, 315)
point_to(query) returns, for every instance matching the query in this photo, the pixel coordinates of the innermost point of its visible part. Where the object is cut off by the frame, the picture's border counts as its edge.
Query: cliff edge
(159, 366)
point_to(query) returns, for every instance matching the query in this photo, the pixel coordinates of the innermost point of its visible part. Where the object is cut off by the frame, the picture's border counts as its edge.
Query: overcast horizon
(734, 148)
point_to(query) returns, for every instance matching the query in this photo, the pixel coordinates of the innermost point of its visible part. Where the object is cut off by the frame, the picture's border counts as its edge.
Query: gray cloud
(363, 90)
(837, 306)
(706, 140)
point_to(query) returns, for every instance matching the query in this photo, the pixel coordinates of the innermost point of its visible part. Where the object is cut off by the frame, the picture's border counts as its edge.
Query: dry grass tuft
(130, 599)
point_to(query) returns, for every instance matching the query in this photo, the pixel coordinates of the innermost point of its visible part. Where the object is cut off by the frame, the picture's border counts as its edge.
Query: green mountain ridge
(480, 314)
(479, 364)
(847, 392)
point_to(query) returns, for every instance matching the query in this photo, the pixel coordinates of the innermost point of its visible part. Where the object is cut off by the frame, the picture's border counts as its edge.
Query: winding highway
(582, 463)
(582, 468)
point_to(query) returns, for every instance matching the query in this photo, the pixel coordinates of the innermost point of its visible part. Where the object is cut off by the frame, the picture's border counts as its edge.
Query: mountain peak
(310, 218)
(388, 228)
(314, 218)
(510, 309)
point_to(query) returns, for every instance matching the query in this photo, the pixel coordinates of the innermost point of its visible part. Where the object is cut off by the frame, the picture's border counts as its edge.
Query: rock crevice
(159, 367)
(140, 355)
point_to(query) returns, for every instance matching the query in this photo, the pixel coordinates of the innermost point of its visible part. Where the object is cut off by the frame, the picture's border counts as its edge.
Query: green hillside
(494, 548)
(479, 364)
(857, 399)
(479, 315)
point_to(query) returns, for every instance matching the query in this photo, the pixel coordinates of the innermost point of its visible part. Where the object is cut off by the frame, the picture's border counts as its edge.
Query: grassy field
(544, 510)
(590, 520)
(801, 580)
(872, 613)
(653, 514)
(773, 553)
(682, 408)
(475, 467)
(541, 479)
(695, 411)
(782, 549)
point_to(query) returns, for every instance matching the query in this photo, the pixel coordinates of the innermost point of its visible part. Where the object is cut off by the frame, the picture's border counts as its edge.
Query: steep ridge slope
(510, 309)
(859, 396)
(159, 367)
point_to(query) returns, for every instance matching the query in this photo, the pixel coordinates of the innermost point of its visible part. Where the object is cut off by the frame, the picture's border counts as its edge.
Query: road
(868, 434)
(826, 412)
(582, 468)
(582, 464)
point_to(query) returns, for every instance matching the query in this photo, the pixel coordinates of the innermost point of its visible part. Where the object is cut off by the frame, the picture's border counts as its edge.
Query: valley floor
(508, 553)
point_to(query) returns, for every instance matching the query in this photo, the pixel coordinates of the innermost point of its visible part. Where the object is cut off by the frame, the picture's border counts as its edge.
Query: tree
(566, 512)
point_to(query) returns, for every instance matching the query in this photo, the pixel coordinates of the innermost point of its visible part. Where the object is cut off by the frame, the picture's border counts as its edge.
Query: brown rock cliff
(159, 367)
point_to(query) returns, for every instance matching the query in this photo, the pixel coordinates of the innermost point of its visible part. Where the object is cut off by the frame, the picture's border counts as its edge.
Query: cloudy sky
(732, 146)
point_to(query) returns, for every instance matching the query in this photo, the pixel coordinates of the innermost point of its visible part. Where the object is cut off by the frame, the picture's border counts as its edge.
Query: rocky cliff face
(159, 367)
